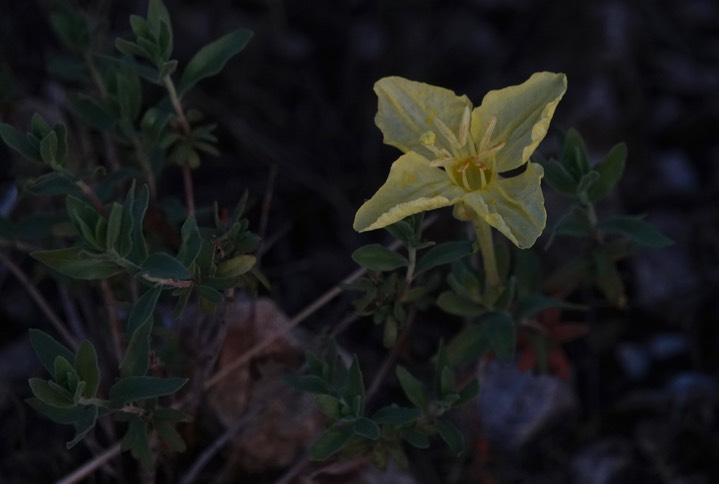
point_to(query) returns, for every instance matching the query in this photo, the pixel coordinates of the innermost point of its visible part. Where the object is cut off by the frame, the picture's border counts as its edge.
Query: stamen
(449, 135)
(488, 134)
(465, 182)
(443, 162)
(483, 183)
(464, 127)
(491, 150)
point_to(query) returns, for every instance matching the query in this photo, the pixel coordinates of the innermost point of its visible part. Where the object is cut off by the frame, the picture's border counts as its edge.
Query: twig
(391, 357)
(40, 300)
(89, 467)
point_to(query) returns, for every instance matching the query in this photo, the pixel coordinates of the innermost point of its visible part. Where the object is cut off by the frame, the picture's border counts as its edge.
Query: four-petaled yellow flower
(458, 156)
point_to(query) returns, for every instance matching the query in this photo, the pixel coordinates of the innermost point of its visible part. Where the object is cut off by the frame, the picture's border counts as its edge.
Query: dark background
(299, 100)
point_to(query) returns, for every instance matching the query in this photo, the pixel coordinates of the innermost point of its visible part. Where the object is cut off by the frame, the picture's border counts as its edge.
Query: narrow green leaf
(467, 393)
(413, 388)
(415, 438)
(169, 435)
(636, 229)
(331, 442)
(87, 368)
(452, 437)
(64, 416)
(585, 183)
(18, 143)
(212, 295)
(137, 356)
(48, 148)
(134, 388)
(354, 386)
(64, 373)
(574, 155)
(501, 332)
(191, 242)
(38, 126)
(212, 58)
(157, 15)
(328, 405)
(161, 265)
(51, 184)
(49, 394)
(468, 345)
(308, 383)
(137, 441)
(443, 254)
(236, 266)
(92, 112)
(77, 263)
(366, 428)
(61, 151)
(84, 424)
(394, 415)
(376, 257)
(142, 310)
(114, 226)
(610, 170)
(451, 303)
(559, 178)
(47, 349)
(608, 279)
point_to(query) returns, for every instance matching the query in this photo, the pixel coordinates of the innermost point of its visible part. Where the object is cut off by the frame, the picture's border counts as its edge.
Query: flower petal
(408, 109)
(523, 114)
(412, 187)
(514, 206)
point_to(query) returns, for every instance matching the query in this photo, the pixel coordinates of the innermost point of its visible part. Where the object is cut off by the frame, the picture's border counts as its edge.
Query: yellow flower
(458, 156)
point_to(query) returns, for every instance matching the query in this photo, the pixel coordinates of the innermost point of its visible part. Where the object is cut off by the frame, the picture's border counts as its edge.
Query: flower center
(470, 166)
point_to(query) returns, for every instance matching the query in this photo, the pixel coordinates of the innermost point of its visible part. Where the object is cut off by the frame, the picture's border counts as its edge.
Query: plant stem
(185, 127)
(486, 246)
(412, 253)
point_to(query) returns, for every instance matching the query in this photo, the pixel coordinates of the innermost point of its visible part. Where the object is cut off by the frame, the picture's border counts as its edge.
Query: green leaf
(169, 435)
(354, 385)
(64, 416)
(137, 441)
(415, 438)
(559, 178)
(85, 218)
(72, 28)
(574, 155)
(443, 254)
(394, 415)
(236, 266)
(84, 424)
(157, 16)
(585, 183)
(467, 393)
(114, 226)
(452, 437)
(331, 442)
(49, 394)
(87, 368)
(212, 58)
(62, 370)
(76, 263)
(468, 345)
(129, 93)
(163, 266)
(376, 257)
(502, 333)
(51, 184)
(328, 405)
(191, 242)
(366, 428)
(48, 348)
(610, 171)
(209, 293)
(142, 310)
(608, 279)
(134, 388)
(308, 383)
(636, 229)
(451, 303)
(413, 388)
(91, 112)
(535, 303)
(138, 252)
(137, 356)
(18, 143)
(38, 126)
(48, 148)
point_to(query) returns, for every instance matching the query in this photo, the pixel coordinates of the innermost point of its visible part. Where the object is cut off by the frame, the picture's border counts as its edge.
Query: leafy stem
(492, 286)
(185, 127)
